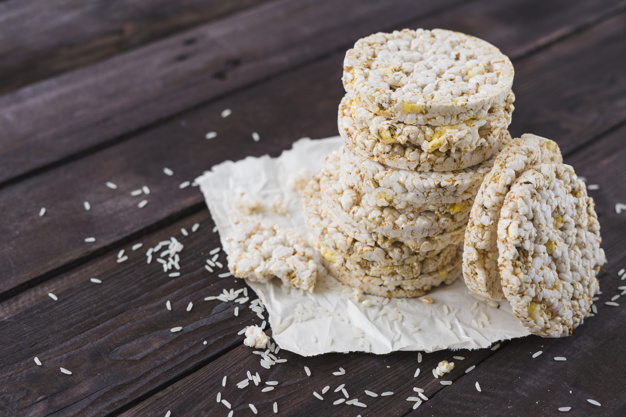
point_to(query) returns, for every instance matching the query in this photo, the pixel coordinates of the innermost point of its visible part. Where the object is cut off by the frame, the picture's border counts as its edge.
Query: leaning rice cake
(480, 254)
(549, 250)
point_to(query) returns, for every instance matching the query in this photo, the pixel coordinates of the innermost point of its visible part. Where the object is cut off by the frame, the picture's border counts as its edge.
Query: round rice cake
(318, 215)
(393, 285)
(372, 260)
(549, 250)
(384, 186)
(464, 137)
(360, 141)
(425, 74)
(480, 256)
(348, 207)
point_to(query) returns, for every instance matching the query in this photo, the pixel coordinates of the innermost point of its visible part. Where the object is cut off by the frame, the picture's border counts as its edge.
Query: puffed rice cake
(399, 188)
(425, 246)
(348, 207)
(549, 250)
(437, 77)
(464, 137)
(360, 140)
(338, 247)
(480, 254)
(396, 286)
(260, 251)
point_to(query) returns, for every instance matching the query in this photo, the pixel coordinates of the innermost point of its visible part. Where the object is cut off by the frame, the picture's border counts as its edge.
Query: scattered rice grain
(168, 172)
(307, 371)
(253, 408)
(339, 401)
(255, 136)
(386, 394)
(537, 354)
(478, 387)
(594, 402)
(54, 297)
(42, 211)
(226, 112)
(445, 382)
(90, 239)
(95, 280)
(111, 185)
(470, 369)
(176, 329)
(37, 361)
(611, 303)
(318, 396)
(560, 358)
(370, 393)
(565, 409)
(68, 372)
(87, 205)
(184, 185)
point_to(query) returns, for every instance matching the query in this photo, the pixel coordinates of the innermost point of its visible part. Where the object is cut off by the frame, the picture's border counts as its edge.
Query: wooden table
(115, 91)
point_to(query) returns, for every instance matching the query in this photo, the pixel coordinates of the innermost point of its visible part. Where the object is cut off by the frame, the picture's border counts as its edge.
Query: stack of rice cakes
(424, 116)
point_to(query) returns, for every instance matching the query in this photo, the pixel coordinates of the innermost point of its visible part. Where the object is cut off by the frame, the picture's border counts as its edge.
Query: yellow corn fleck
(411, 108)
(443, 273)
(427, 300)
(385, 136)
(384, 196)
(455, 208)
(477, 70)
(550, 247)
(328, 255)
(387, 70)
(558, 222)
(535, 310)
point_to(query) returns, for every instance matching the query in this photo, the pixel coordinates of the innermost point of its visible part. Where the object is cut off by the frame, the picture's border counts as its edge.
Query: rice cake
(464, 137)
(423, 76)
(348, 207)
(360, 141)
(336, 246)
(480, 254)
(384, 186)
(549, 250)
(393, 285)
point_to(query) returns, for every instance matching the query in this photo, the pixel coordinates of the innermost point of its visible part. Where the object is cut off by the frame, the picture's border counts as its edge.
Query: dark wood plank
(115, 337)
(43, 38)
(195, 395)
(281, 110)
(96, 104)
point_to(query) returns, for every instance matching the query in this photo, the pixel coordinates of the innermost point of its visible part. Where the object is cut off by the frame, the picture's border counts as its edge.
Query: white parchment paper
(333, 318)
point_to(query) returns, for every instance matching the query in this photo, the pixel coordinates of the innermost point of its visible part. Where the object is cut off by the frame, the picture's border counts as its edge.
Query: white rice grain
(176, 329)
(370, 393)
(95, 280)
(168, 414)
(325, 389)
(419, 357)
(142, 203)
(275, 407)
(226, 112)
(111, 185)
(174, 275)
(256, 137)
(593, 187)
(224, 380)
(135, 193)
(236, 312)
(90, 239)
(319, 397)
(339, 401)
(184, 232)
(253, 408)
(189, 306)
(560, 358)
(470, 369)
(168, 305)
(611, 304)
(496, 346)
(564, 409)
(184, 185)
(87, 205)
(54, 297)
(267, 389)
(218, 398)
(195, 227)
(339, 388)
(307, 371)
(68, 372)
(594, 402)
(168, 172)
(211, 135)
(37, 361)
(386, 394)
(137, 246)
(537, 354)
(42, 211)
(445, 382)
(478, 387)
(226, 404)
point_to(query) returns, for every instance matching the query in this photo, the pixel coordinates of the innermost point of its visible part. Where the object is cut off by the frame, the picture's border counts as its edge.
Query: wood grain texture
(299, 103)
(92, 105)
(195, 395)
(115, 337)
(43, 38)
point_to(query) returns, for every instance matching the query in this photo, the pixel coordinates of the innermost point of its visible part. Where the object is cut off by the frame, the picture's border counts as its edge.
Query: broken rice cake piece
(260, 251)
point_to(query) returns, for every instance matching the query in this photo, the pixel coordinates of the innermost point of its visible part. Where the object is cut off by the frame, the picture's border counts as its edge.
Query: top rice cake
(427, 77)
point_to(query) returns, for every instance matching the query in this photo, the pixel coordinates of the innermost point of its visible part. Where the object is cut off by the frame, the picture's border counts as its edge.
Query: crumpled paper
(334, 318)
